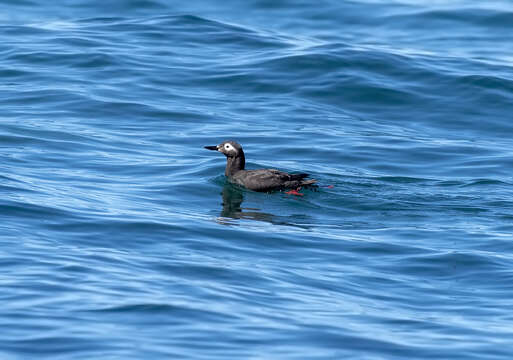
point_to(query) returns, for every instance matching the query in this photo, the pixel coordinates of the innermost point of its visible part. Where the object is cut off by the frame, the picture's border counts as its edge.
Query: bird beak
(215, 147)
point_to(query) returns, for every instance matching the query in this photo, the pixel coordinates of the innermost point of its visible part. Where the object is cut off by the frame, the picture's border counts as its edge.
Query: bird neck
(234, 164)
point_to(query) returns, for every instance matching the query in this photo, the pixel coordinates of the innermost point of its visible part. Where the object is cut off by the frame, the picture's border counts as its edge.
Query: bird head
(229, 148)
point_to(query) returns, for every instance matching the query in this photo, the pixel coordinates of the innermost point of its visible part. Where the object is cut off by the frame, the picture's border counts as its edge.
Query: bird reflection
(232, 206)
(233, 197)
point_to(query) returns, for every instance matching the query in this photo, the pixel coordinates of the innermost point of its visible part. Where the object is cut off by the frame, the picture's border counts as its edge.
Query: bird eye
(227, 146)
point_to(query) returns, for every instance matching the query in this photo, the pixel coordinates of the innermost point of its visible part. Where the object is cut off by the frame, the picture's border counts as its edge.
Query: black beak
(211, 147)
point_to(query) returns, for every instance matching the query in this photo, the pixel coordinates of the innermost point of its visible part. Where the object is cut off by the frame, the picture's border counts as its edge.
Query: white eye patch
(228, 147)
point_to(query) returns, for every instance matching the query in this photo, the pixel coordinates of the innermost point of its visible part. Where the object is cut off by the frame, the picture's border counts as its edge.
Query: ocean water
(121, 239)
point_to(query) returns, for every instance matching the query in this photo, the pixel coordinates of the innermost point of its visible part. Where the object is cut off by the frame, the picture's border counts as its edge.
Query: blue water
(121, 239)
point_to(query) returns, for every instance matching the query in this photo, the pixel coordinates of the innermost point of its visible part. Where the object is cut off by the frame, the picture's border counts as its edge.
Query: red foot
(294, 192)
(330, 186)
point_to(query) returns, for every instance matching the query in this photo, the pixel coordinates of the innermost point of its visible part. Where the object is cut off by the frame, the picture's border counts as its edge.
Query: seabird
(256, 180)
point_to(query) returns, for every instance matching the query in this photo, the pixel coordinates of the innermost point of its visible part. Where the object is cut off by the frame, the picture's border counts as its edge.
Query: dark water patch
(402, 180)
(482, 182)
(450, 183)
(495, 84)
(57, 60)
(179, 314)
(452, 265)
(460, 17)
(13, 74)
(27, 210)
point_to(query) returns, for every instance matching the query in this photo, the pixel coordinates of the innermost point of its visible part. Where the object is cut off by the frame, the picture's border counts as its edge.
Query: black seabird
(256, 180)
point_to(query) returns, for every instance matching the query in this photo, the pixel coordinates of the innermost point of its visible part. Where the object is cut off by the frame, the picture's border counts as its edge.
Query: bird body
(263, 180)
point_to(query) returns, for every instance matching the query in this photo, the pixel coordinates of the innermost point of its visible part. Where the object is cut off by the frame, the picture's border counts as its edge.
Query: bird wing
(265, 179)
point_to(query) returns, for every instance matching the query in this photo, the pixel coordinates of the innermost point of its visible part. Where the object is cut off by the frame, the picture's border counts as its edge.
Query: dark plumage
(257, 180)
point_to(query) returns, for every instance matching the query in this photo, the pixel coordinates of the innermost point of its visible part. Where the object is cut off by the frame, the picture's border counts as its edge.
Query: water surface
(121, 238)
